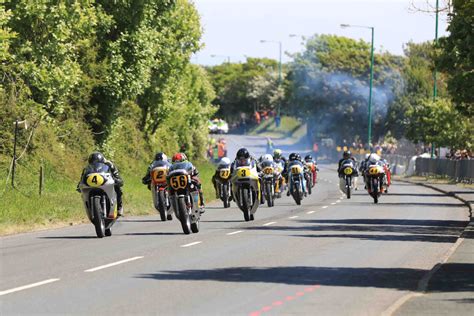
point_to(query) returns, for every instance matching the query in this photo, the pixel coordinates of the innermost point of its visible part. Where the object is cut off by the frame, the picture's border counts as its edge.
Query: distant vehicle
(218, 126)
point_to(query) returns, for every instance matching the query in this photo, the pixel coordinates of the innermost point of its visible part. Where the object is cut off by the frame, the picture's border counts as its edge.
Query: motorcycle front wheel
(162, 209)
(184, 217)
(99, 221)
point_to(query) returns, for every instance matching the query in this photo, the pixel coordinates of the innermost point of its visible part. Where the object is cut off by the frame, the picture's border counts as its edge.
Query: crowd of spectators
(460, 154)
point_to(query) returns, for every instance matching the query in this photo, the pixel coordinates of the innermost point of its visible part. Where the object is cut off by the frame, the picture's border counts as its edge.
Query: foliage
(440, 122)
(457, 55)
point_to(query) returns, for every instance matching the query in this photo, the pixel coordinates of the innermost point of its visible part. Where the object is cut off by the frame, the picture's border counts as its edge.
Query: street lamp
(277, 118)
(222, 56)
(369, 137)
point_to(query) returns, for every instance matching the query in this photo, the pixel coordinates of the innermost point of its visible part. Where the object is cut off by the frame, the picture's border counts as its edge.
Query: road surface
(329, 256)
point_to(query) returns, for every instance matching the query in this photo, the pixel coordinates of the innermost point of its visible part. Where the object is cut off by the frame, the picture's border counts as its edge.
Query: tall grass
(23, 210)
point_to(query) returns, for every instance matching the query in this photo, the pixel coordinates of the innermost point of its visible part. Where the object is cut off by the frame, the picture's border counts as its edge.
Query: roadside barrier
(458, 170)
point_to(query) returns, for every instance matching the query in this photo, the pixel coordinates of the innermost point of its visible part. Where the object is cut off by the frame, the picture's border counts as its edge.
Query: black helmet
(298, 157)
(161, 157)
(308, 158)
(242, 153)
(347, 154)
(293, 156)
(96, 157)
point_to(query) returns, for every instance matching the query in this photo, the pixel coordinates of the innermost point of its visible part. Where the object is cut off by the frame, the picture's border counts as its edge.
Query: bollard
(41, 180)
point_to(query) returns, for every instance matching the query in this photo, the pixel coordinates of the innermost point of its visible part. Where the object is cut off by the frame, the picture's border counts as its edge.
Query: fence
(458, 170)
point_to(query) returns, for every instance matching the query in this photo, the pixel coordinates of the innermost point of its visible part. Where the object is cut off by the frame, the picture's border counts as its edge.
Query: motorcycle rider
(347, 155)
(243, 158)
(97, 157)
(373, 159)
(295, 159)
(314, 169)
(181, 157)
(160, 160)
(223, 164)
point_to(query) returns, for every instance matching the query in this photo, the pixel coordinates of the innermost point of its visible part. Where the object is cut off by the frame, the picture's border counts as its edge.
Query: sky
(234, 28)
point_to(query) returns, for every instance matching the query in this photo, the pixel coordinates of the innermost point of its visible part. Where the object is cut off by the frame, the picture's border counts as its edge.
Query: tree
(457, 56)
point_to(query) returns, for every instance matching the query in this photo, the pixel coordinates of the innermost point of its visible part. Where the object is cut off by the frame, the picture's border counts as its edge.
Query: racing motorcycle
(159, 191)
(223, 185)
(296, 181)
(268, 178)
(347, 173)
(184, 197)
(280, 184)
(375, 183)
(246, 190)
(100, 199)
(308, 175)
(313, 169)
(388, 175)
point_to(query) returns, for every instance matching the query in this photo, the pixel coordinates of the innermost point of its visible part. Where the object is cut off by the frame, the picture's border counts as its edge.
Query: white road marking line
(191, 244)
(338, 201)
(268, 224)
(113, 264)
(325, 206)
(236, 232)
(310, 212)
(293, 217)
(333, 203)
(29, 286)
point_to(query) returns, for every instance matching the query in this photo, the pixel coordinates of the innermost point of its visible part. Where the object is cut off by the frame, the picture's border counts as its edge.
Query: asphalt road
(329, 256)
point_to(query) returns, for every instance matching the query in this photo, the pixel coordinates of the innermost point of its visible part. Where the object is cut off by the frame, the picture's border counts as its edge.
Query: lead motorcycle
(375, 180)
(296, 181)
(99, 197)
(159, 190)
(268, 180)
(184, 197)
(246, 190)
(347, 173)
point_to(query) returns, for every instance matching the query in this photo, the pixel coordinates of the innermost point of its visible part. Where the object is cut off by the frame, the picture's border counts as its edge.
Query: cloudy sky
(234, 28)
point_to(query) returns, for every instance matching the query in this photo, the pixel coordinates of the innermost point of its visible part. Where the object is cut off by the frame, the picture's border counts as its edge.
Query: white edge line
(234, 233)
(325, 206)
(310, 212)
(269, 223)
(29, 286)
(112, 264)
(191, 244)
(292, 217)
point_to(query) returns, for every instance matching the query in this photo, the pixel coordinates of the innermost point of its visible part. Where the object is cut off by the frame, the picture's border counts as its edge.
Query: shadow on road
(152, 234)
(69, 237)
(454, 277)
(395, 278)
(439, 231)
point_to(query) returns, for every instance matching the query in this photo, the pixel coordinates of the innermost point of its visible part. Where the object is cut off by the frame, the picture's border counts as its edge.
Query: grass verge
(290, 127)
(60, 205)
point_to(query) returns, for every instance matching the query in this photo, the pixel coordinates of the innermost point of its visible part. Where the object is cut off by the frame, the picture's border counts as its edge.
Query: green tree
(457, 55)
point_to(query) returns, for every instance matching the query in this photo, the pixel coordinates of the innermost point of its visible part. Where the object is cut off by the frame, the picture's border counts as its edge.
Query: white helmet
(224, 161)
(367, 156)
(373, 158)
(267, 157)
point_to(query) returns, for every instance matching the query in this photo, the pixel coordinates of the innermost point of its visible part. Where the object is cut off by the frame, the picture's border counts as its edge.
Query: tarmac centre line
(325, 206)
(113, 264)
(293, 217)
(269, 223)
(333, 203)
(28, 286)
(310, 212)
(234, 233)
(191, 244)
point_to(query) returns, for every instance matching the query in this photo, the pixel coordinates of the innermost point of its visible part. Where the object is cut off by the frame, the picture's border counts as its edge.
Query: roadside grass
(290, 127)
(23, 210)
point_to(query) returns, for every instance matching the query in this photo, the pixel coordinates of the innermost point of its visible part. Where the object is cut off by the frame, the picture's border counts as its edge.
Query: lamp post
(435, 86)
(369, 136)
(277, 117)
(222, 56)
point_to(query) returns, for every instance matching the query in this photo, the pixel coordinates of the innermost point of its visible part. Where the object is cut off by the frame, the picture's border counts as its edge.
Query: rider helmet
(267, 157)
(179, 157)
(298, 157)
(224, 161)
(96, 157)
(373, 158)
(277, 154)
(308, 158)
(242, 153)
(160, 156)
(347, 154)
(293, 156)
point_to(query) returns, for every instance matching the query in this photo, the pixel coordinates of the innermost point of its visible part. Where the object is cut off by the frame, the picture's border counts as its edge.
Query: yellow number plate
(179, 182)
(224, 173)
(296, 169)
(374, 170)
(268, 170)
(243, 172)
(95, 180)
(348, 171)
(159, 174)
